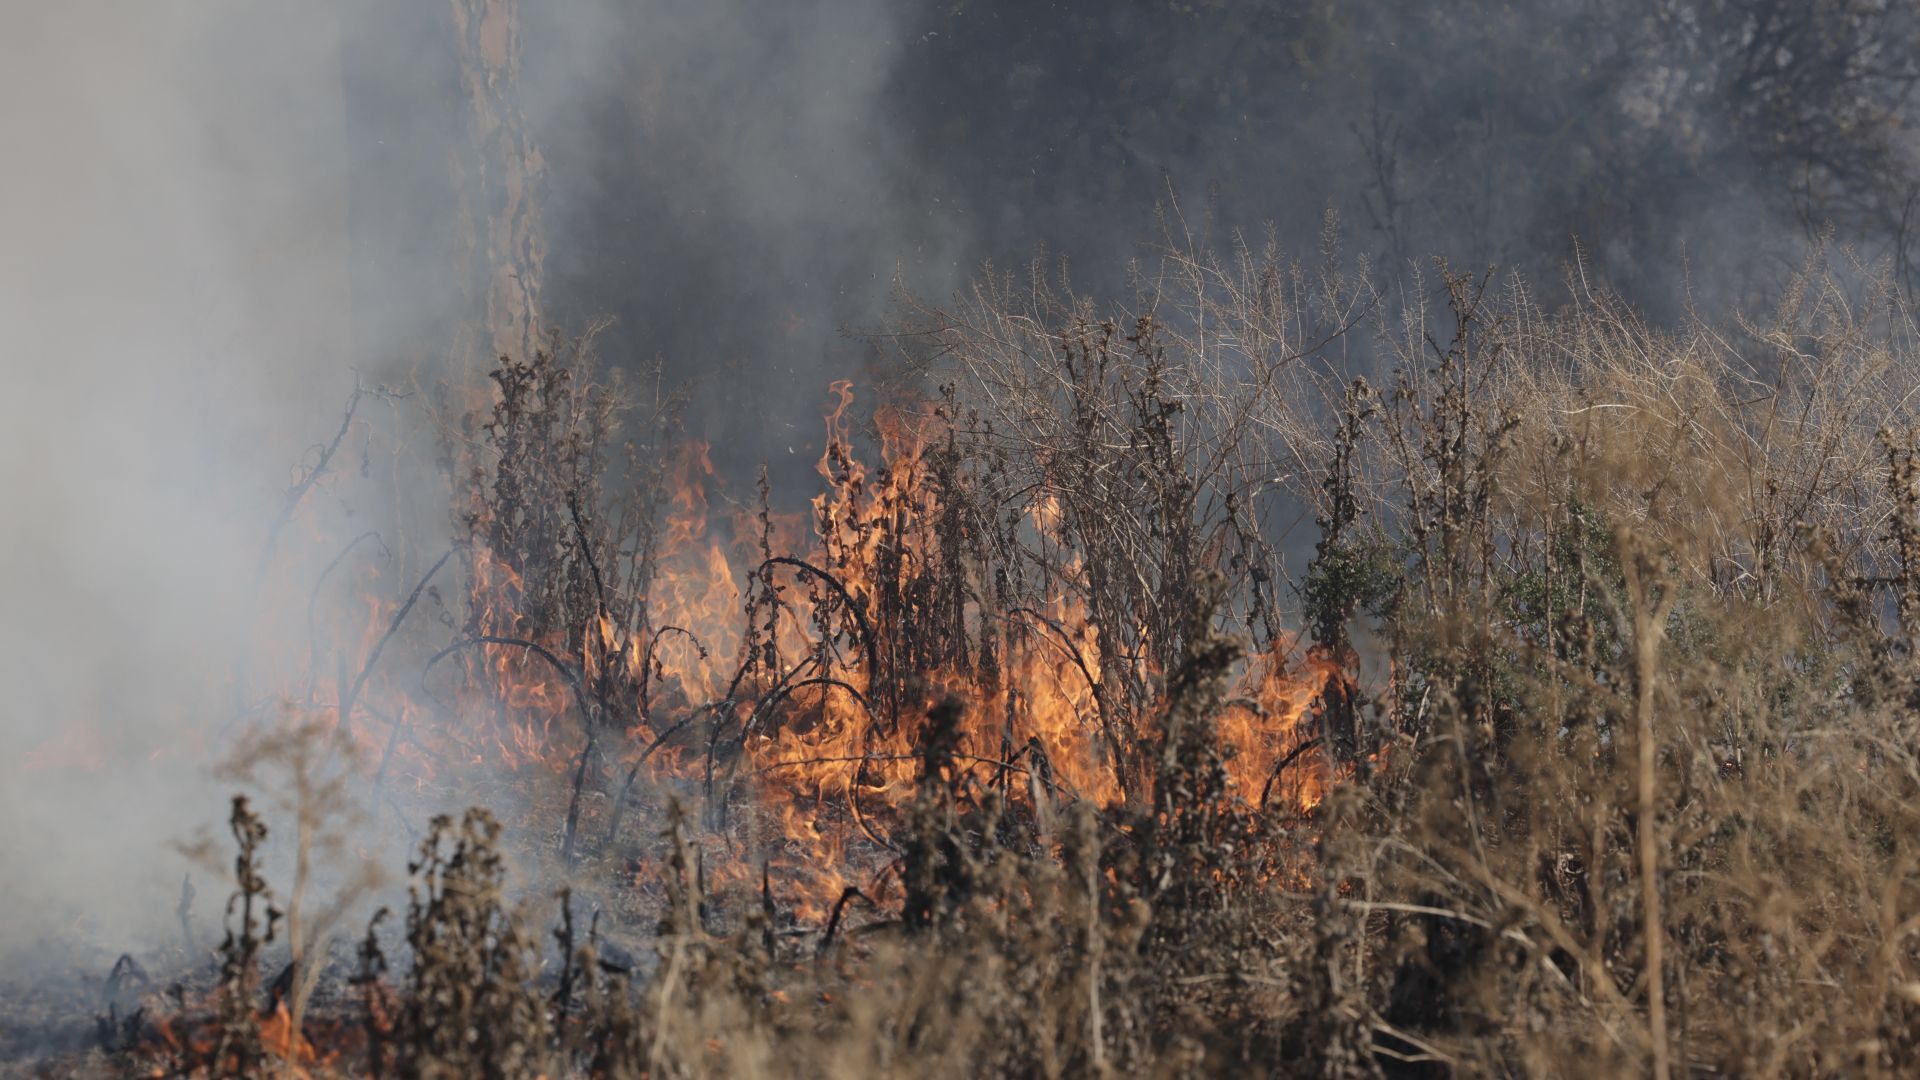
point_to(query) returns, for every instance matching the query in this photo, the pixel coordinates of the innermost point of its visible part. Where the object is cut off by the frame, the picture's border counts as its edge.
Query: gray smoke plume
(175, 301)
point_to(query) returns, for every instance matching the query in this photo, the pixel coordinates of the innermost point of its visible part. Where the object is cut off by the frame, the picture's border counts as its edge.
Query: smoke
(215, 211)
(736, 185)
(174, 299)
(728, 182)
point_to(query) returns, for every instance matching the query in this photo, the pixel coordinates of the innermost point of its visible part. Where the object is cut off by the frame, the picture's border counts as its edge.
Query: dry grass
(1620, 624)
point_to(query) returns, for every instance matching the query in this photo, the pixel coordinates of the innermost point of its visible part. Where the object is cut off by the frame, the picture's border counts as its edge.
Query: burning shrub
(999, 757)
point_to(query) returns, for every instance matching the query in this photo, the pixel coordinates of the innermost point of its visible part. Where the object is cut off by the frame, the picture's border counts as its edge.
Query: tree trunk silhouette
(443, 180)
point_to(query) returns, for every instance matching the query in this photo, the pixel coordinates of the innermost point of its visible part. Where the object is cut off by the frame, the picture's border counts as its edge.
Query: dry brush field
(1259, 674)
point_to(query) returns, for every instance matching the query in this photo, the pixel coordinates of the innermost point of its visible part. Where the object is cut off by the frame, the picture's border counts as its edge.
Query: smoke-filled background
(215, 212)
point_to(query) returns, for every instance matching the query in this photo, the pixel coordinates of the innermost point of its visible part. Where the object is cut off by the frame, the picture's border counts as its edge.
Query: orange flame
(786, 680)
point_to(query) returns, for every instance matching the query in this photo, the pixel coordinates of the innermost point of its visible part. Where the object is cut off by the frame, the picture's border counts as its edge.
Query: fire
(814, 668)
(781, 665)
(190, 1042)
